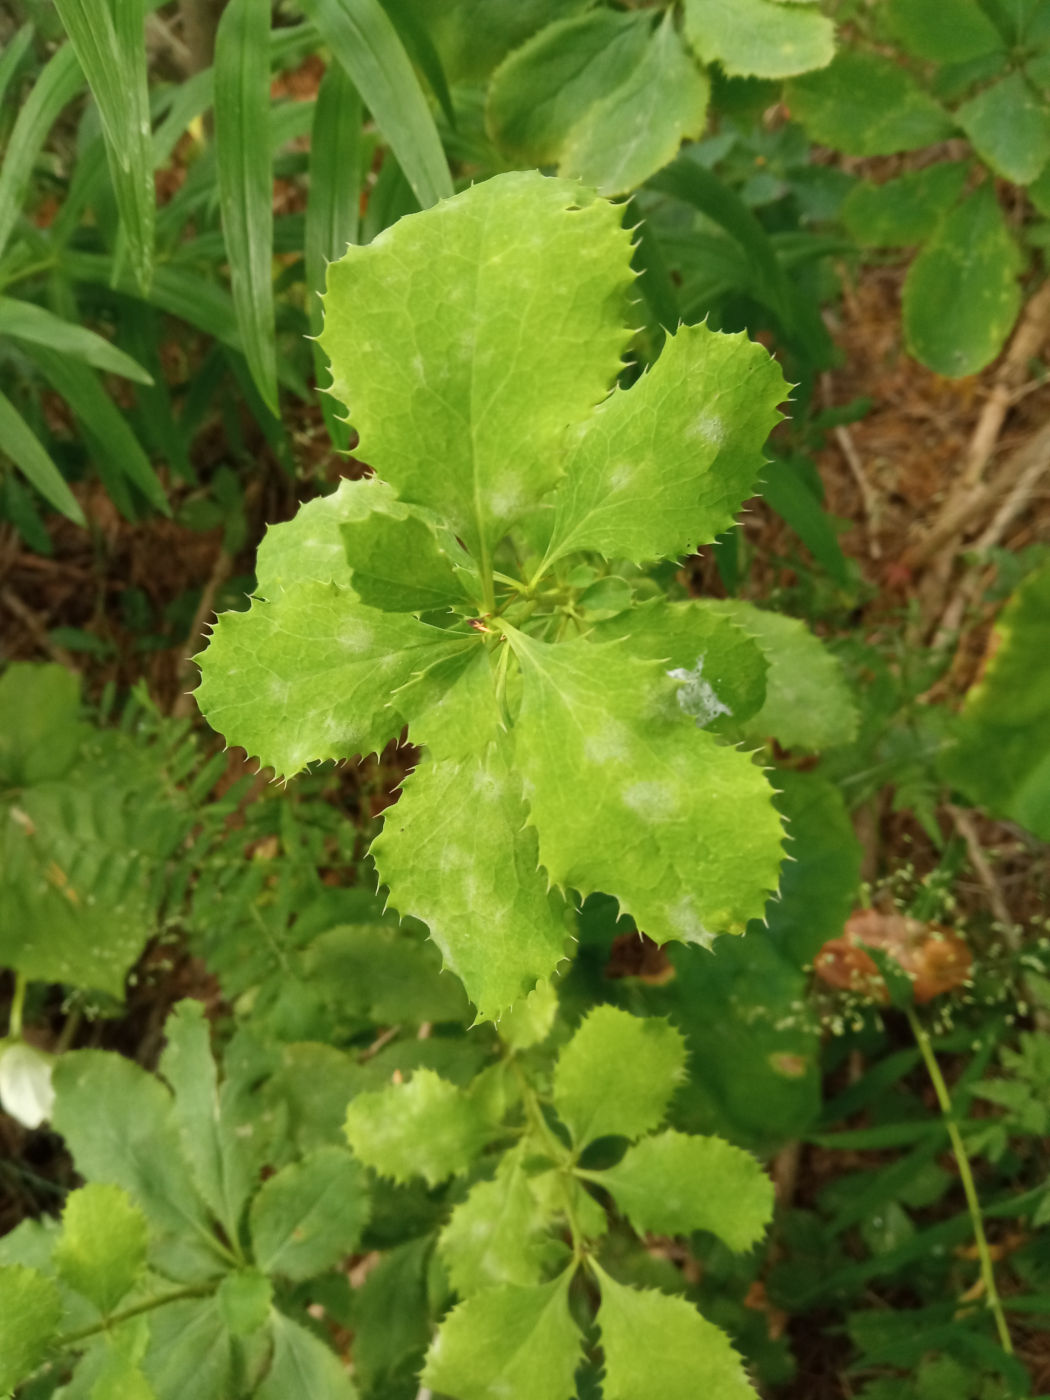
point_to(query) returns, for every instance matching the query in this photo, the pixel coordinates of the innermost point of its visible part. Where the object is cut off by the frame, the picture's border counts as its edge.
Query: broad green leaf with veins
(310, 548)
(461, 406)
(102, 1249)
(303, 1368)
(658, 468)
(674, 1183)
(617, 1074)
(660, 1345)
(511, 1342)
(309, 1215)
(308, 676)
(399, 565)
(427, 1127)
(688, 841)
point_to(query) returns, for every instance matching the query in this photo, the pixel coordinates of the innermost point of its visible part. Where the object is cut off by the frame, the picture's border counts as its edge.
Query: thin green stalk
(200, 1290)
(984, 1255)
(18, 1001)
(558, 1151)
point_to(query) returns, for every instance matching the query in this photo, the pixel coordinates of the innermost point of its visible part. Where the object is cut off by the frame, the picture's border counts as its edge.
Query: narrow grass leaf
(242, 122)
(58, 84)
(110, 44)
(14, 52)
(25, 449)
(364, 41)
(21, 320)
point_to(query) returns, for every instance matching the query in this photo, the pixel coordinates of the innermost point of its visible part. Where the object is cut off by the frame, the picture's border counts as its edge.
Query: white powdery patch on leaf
(698, 697)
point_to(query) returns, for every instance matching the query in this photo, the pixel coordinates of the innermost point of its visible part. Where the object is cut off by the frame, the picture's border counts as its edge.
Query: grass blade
(112, 52)
(421, 50)
(366, 44)
(27, 452)
(14, 52)
(58, 84)
(242, 141)
(22, 320)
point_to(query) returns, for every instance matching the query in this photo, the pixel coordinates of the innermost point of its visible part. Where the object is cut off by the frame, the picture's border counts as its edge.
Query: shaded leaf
(309, 1215)
(867, 105)
(30, 1310)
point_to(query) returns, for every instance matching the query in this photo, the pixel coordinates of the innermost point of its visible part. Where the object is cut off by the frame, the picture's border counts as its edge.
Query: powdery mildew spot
(355, 636)
(611, 742)
(698, 697)
(709, 427)
(656, 801)
(687, 924)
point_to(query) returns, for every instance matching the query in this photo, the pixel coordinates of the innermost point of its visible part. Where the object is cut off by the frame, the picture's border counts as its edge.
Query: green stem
(559, 1153)
(200, 1290)
(940, 1088)
(18, 1001)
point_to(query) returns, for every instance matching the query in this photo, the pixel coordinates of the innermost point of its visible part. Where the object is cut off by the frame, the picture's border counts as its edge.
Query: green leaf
(242, 141)
(309, 1215)
(866, 105)
(437, 399)
(906, 210)
(673, 1184)
(617, 1074)
(630, 799)
(309, 547)
(1009, 125)
(120, 1379)
(190, 1350)
(946, 31)
(961, 296)
(59, 82)
(30, 1309)
(660, 1345)
(759, 38)
(110, 45)
(221, 1161)
(24, 448)
(720, 669)
(391, 1319)
(40, 727)
(455, 853)
(426, 1127)
(308, 676)
(366, 44)
(607, 96)
(1002, 757)
(788, 488)
(531, 1020)
(244, 1298)
(808, 704)
(398, 564)
(517, 1343)
(102, 1249)
(303, 1368)
(663, 466)
(117, 1122)
(496, 1234)
(12, 54)
(23, 321)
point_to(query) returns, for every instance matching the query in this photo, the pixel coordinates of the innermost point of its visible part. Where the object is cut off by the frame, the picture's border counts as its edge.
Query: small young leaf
(102, 1249)
(961, 295)
(1009, 126)
(244, 1297)
(426, 1127)
(309, 1215)
(866, 105)
(759, 38)
(517, 1343)
(496, 1234)
(808, 704)
(617, 1074)
(435, 420)
(660, 1345)
(663, 466)
(30, 1309)
(629, 798)
(530, 1020)
(303, 1368)
(672, 1184)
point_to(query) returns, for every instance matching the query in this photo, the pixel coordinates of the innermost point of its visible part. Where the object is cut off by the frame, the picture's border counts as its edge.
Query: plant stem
(940, 1088)
(200, 1290)
(18, 1001)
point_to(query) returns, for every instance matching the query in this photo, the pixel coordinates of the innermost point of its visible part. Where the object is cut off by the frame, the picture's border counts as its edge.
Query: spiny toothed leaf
(102, 1249)
(808, 704)
(721, 670)
(617, 1074)
(663, 466)
(629, 798)
(309, 1215)
(460, 406)
(308, 677)
(673, 1183)
(398, 564)
(515, 1343)
(497, 1234)
(455, 851)
(426, 1127)
(309, 547)
(655, 1344)
(759, 38)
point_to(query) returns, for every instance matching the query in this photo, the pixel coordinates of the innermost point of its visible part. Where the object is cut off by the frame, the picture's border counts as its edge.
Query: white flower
(26, 1092)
